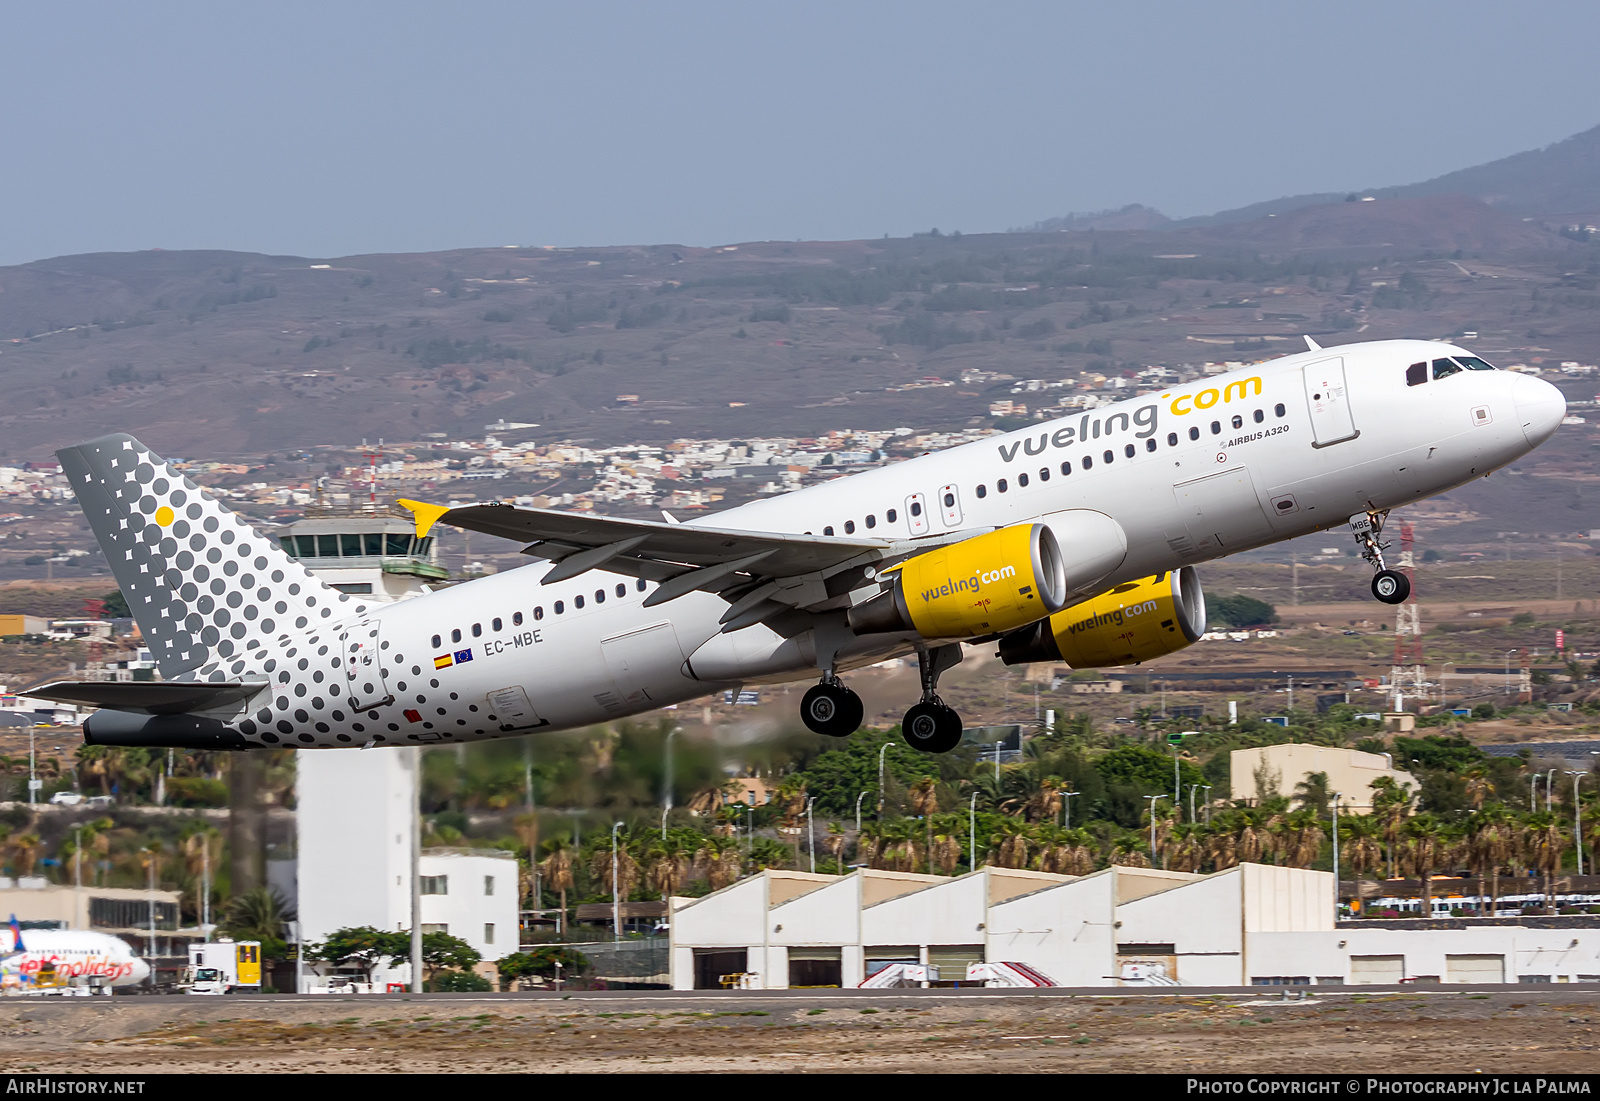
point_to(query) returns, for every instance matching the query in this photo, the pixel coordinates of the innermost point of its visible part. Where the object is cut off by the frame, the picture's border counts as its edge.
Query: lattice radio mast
(1409, 674)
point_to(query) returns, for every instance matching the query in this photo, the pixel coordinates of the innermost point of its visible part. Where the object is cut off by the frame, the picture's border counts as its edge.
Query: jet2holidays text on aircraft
(1069, 541)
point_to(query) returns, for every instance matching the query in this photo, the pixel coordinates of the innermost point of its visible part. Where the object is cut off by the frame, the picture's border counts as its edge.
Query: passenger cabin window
(1002, 485)
(1066, 468)
(1108, 456)
(828, 530)
(891, 515)
(1444, 368)
(477, 630)
(1259, 416)
(599, 596)
(1194, 432)
(560, 607)
(849, 527)
(622, 590)
(1129, 450)
(1280, 410)
(437, 642)
(516, 619)
(1150, 444)
(872, 521)
(916, 509)
(1044, 473)
(1416, 374)
(983, 491)
(1216, 428)
(538, 613)
(1088, 462)
(577, 602)
(639, 584)
(1238, 421)
(1172, 439)
(455, 635)
(1022, 479)
(495, 623)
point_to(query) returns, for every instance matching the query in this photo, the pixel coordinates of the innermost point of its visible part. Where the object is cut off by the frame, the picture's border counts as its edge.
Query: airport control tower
(364, 550)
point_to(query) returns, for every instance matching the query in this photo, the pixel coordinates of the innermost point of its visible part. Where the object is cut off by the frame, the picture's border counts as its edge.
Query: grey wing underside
(762, 574)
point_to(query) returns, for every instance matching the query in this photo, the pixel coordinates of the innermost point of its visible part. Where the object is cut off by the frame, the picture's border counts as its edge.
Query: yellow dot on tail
(163, 516)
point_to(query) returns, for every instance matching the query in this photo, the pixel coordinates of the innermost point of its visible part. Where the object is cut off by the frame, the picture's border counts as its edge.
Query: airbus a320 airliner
(1071, 541)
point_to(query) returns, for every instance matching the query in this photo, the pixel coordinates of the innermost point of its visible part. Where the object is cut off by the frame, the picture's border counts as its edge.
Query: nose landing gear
(832, 709)
(932, 726)
(1389, 586)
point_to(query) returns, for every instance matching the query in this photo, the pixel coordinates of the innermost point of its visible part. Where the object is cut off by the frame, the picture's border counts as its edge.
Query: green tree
(540, 961)
(361, 946)
(259, 914)
(1239, 611)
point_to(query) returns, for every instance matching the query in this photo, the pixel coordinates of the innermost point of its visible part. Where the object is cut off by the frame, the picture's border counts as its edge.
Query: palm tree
(1010, 844)
(557, 871)
(1303, 836)
(1543, 841)
(257, 914)
(527, 831)
(1491, 844)
(1312, 793)
(601, 859)
(1129, 851)
(24, 849)
(924, 796)
(1479, 786)
(666, 865)
(1184, 852)
(1426, 846)
(944, 850)
(721, 860)
(1358, 840)
(1391, 802)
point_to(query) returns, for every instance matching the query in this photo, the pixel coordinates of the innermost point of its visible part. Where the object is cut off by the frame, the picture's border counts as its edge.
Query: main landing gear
(1389, 586)
(832, 709)
(932, 726)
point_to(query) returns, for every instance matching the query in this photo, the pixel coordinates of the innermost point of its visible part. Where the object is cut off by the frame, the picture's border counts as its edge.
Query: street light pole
(881, 754)
(616, 897)
(1192, 789)
(1066, 807)
(811, 832)
(972, 833)
(860, 797)
(1577, 818)
(666, 783)
(1336, 856)
(1152, 801)
(1550, 791)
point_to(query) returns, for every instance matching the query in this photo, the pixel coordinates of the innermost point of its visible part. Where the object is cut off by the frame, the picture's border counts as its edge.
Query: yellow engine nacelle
(981, 586)
(1133, 622)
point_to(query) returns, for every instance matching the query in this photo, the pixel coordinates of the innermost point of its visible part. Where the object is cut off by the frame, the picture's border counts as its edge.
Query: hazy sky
(331, 128)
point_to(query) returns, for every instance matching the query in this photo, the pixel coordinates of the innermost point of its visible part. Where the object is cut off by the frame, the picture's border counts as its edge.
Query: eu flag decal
(463, 655)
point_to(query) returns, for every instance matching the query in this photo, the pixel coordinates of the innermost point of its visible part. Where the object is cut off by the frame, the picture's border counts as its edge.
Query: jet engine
(1133, 622)
(980, 586)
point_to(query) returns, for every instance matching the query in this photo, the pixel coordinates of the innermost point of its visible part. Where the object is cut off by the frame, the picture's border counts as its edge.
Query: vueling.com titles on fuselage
(1145, 417)
(968, 584)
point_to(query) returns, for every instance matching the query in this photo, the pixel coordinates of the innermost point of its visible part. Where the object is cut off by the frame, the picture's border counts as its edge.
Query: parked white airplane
(28, 956)
(1068, 541)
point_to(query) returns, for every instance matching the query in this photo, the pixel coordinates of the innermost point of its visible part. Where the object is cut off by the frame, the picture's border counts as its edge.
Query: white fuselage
(70, 954)
(1191, 473)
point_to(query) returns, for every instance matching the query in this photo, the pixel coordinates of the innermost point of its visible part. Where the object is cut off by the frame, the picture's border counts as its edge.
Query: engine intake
(1133, 622)
(991, 583)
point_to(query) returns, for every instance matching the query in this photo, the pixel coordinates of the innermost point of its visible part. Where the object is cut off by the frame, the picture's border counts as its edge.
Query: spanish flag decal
(442, 662)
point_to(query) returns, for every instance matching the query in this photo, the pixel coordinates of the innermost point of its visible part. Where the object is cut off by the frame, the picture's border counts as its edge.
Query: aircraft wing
(763, 573)
(148, 697)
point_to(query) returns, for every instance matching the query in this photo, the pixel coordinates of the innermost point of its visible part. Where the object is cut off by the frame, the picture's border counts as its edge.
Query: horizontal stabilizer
(149, 697)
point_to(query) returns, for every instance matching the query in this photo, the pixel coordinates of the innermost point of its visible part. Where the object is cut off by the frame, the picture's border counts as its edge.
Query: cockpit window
(1444, 368)
(1473, 363)
(1416, 374)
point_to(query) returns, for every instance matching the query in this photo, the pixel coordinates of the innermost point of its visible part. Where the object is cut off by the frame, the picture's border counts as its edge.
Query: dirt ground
(1550, 1030)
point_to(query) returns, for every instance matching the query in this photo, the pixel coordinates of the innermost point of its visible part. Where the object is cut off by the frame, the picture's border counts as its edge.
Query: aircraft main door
(1328, 398)
(1222, 511)
(639, 661)
(365, 677)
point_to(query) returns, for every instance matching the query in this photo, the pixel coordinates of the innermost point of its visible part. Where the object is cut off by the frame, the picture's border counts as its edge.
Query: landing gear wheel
(1391, 587)
(831, 709)
(931, 727)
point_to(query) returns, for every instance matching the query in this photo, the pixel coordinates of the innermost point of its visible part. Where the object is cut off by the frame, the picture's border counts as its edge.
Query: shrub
(458, 982)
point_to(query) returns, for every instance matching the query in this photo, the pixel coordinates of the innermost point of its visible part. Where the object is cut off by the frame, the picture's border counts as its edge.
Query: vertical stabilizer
(205, 588)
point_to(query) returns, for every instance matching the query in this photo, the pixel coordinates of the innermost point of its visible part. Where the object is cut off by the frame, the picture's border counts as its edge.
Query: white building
(471, 894)
(1250, 925)
(1350, 772)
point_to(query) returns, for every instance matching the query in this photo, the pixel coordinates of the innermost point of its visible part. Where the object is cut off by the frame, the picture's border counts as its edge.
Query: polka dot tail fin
(207, 591)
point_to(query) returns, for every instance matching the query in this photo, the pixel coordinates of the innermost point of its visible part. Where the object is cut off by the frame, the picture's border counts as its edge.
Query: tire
(831, 709)
(931, 728)
(1391, 586)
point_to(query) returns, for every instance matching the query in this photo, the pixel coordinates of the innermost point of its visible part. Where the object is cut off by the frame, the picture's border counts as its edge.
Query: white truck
(221, 966)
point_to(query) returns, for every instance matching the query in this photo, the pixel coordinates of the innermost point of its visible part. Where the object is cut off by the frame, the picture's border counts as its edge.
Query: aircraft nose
(1540, 407)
